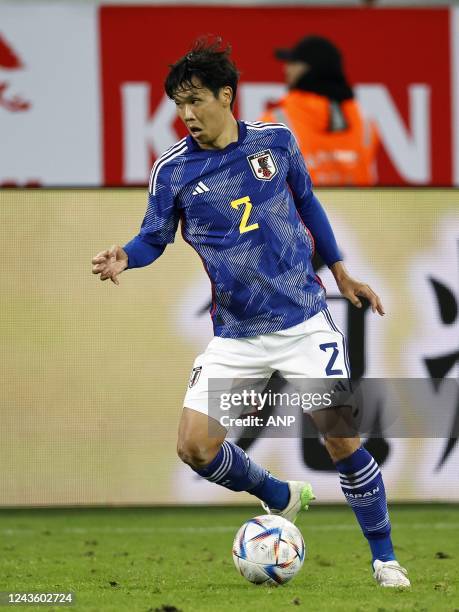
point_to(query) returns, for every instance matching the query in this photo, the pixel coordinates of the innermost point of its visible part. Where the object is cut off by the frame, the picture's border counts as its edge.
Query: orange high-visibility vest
(339, 146)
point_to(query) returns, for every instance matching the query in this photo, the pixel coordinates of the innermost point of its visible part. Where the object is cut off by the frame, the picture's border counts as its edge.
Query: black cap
(325, 75)
(314, 50)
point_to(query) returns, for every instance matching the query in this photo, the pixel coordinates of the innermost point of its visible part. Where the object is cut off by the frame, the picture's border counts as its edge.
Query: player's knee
(197, 453)
(341, 448)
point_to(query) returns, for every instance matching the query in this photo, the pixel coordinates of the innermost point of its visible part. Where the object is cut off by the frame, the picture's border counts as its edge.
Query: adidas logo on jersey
(200, 188)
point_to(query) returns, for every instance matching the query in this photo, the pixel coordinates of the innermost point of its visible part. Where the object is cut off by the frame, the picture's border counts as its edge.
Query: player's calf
(224, 463)
(340, 448)
(363, 487)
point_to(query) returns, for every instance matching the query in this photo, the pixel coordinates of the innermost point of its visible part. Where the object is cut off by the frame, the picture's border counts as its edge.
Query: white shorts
(314, 349)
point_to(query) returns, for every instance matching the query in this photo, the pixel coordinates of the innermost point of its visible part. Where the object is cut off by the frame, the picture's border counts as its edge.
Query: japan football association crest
(194, 377)
(263, 165)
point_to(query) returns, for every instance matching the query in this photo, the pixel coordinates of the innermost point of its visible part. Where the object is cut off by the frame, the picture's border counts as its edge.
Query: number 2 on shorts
(334, 347)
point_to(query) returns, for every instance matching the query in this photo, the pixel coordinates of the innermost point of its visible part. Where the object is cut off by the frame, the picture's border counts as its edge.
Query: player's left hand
(353, 289)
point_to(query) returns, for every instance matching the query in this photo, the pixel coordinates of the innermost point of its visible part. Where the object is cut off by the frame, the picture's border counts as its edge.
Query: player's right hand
(110, 263)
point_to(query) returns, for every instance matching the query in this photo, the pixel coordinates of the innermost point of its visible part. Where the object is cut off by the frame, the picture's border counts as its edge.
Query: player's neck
(229, 134)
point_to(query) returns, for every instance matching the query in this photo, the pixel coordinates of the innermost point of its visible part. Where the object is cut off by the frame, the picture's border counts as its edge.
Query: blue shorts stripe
(328, 316)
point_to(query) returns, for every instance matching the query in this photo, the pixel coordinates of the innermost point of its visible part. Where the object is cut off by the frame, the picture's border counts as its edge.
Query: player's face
(204, 114)
(294, 71)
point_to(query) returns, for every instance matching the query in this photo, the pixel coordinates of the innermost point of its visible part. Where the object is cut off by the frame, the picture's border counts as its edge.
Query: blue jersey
(245, 210)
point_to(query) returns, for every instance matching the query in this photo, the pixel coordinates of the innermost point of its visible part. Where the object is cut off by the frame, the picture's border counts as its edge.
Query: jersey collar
(193, 145)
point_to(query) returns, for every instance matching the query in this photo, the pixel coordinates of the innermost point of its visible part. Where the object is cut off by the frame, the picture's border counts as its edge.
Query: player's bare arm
(353, 289)
(110, 263)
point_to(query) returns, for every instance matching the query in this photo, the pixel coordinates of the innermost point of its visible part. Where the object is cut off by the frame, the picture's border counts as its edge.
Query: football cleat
(300, 496)
(390, 574)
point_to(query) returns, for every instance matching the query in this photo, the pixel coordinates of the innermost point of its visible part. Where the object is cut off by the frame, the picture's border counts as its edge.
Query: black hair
(209, 61)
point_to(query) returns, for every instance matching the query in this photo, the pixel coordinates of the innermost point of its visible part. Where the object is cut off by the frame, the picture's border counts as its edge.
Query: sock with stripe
(363, 487)
(233, 469)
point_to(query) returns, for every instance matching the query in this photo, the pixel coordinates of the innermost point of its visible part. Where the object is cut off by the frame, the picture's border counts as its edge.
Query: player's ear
(226, 95)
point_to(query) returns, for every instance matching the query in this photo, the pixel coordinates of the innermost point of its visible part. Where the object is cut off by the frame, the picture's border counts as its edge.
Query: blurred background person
(337, 142)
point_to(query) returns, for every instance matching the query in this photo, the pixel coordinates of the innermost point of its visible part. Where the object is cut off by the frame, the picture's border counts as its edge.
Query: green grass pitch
(139, 560)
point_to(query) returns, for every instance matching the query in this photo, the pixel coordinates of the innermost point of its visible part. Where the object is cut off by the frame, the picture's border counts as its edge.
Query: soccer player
(246, 205)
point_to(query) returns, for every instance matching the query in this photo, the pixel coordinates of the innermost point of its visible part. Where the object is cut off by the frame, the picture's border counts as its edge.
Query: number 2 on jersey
(245, 201)
(335, 352)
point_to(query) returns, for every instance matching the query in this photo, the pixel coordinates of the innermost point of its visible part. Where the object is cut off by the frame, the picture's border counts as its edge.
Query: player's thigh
(317, 358)
(315, 365)
(223, 369)
(226, 367)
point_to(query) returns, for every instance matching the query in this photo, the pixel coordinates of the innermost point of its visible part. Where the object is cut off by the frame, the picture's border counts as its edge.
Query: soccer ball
(268, 549)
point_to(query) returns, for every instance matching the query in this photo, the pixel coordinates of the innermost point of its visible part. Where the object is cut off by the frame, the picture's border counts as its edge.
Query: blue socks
(360, 478)
(363, 487)
(232, 469)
